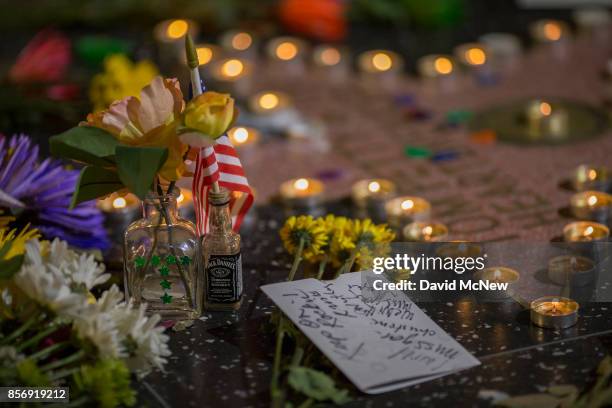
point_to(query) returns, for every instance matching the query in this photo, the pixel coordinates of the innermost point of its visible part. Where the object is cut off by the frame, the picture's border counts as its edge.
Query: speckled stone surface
(225, 359)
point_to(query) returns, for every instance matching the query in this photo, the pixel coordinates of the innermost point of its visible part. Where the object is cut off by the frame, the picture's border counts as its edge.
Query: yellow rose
(207, 116)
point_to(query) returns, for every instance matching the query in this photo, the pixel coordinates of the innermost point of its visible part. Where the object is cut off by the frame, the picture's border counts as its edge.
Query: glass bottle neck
(219, 220)
(160, 208)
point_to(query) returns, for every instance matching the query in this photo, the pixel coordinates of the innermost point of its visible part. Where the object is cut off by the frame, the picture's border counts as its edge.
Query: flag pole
(196, 87)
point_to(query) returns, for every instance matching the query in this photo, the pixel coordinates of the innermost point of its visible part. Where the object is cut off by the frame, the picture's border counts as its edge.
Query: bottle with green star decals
(162, 260)
(221, 249)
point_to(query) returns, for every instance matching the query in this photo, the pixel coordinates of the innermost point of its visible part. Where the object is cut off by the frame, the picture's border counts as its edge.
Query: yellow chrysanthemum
(341, 240)
(371, 240)
(16, 241)
(304, 229)
(121, 78)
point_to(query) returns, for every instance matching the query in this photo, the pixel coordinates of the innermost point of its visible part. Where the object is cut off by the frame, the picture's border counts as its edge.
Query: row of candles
(232, 60)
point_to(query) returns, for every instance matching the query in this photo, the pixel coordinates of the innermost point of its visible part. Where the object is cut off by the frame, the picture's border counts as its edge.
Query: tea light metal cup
(586, 231)
(546, 118)
(554, 312)
(302, 192)
(406, 209)
(421, 231)
(372, 193)
(498, 274)
(591, 205)
(587, 177)
(571, 270)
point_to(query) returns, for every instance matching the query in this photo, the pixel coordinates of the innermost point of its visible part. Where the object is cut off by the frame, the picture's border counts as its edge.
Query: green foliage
(30, 375)
(433, 13)
(9, 267)
(315, 384)
(95, 182)
(137, 167)
(85, 144)
(108, 381)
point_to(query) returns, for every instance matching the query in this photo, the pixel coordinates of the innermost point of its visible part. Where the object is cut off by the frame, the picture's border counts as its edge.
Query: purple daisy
(39, 193)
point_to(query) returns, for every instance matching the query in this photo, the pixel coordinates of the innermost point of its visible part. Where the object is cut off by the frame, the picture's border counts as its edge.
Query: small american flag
(220, 163)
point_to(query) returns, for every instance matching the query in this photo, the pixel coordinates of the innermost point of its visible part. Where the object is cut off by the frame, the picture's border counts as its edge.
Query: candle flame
(286, 51)
(497, 274)
(443, 65)
(588, 231)
(232, 68)
(407, 204)
(205, 54)
(545, 108)
(374, 186)
(330, 56)
(552, 31)
(382, 61)
(301, 184)
(119, 202)
(475, 56)
(592, 200)
(241, 41)
(268, 101)
(428, 230)
(177, 29)
(240, 135)
(592, 174)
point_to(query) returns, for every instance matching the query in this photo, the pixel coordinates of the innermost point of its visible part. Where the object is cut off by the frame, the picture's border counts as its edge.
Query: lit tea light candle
(471, 54)
(549, 31)
(498, 274)
(287, 52)
(302, 192)
(571, 269)
(372, 192)
(554, 312)
(380, 62)
(232, 75)
(545, 117)
(241, 136)
(587, 177)
(170, 34)
(406, 209)
(434, 66)
(585, 231)
(237, 41)
(420, 231)
(207, 53)
(591, 205)
(269, 102)
(332, 60)
(119, 210)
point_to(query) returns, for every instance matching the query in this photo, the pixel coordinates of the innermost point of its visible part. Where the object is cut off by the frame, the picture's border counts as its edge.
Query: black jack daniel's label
(224, 278)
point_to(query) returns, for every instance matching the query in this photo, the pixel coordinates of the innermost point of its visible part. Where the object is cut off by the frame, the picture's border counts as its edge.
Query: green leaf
(138, 166)
(85, 144)
(95, 182)
(9, 267)
(315, 384)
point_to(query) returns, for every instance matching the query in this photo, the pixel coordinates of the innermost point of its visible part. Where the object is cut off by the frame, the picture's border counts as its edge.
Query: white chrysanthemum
(100, 330)
(49, 290)
(145, 343)
(110, 299)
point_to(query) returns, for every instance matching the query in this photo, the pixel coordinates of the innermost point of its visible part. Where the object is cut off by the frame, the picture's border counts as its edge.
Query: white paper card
(379, 344)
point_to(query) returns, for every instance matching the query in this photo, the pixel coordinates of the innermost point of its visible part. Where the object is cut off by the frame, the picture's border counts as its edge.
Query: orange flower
(149, 120)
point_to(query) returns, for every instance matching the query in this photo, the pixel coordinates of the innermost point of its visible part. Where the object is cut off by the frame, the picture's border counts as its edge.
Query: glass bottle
(162, 260)
(222, 260)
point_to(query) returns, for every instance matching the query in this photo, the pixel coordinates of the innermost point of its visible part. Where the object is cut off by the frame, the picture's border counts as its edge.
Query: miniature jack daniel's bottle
(221, 251)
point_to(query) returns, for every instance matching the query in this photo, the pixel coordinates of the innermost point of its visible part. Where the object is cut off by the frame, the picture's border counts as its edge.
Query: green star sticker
(139, 262)
(155, 260)
(171, 260)
(185, 260)
(164, 270)
(165, 284)
(166, 298)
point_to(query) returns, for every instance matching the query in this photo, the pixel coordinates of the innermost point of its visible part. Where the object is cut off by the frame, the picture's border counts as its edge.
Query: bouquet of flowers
(343, 243)
(55, 332)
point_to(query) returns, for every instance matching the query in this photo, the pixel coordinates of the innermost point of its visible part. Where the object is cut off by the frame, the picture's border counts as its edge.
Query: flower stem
(296, 260)
(48, 350)
(53, 326)
(21, 329)
(298, 354)
(322, 266)
(348, 265)
(64, 361)
(64, 373)
(275, 391)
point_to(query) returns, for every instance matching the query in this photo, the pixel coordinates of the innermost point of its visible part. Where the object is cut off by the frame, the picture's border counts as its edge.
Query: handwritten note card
(380, 344)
